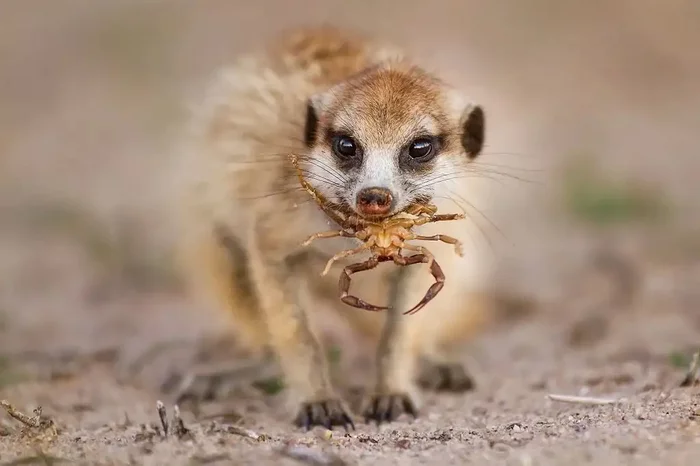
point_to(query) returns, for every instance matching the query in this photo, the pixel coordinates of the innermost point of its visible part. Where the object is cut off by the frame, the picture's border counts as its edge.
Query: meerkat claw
(326, 413)
(388, 408)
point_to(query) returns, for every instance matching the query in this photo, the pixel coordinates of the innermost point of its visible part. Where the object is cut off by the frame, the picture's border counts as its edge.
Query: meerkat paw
(389, 407)
(328, 413)
(445, 377)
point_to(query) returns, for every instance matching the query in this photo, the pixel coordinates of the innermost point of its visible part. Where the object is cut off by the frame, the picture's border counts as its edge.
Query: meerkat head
(387, 137)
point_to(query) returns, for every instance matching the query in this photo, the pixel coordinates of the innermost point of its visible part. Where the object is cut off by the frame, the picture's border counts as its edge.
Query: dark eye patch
(417, 154)
(346, 149)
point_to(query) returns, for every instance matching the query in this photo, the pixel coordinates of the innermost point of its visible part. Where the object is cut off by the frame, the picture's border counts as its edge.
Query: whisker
(448, 177)
(316, 177)
(476, 223)
(338, 176)
(459, 206)
(507, 175)
(444, 174)
(281, 192)
(486, 153)
(259, 160)
(275, 193)
(477, 169)
(461, 173)
(307, 174)
(276, 157)
(481, 213)
(267, 142)
(464, 211)
(500, 165)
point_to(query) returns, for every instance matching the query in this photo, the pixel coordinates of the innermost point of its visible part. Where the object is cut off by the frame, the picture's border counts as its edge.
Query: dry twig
(175, 425)
(586, 400)
(237, 430)
(35, 422)
(163, 416)
(178, 427)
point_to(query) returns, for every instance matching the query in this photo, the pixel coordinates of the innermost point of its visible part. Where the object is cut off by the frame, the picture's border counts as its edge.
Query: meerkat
(374, 132)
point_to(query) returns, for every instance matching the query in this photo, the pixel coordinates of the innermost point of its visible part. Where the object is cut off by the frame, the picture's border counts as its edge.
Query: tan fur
(239, 183)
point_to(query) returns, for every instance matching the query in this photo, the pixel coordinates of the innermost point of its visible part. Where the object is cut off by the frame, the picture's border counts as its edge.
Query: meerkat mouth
(349, 213)
(374, 217)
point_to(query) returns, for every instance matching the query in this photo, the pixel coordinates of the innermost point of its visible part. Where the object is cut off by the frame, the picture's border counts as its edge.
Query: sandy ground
(90, 102)
(622, 353)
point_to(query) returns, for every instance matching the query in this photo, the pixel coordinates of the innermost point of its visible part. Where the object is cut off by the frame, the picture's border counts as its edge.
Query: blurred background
(593, 120)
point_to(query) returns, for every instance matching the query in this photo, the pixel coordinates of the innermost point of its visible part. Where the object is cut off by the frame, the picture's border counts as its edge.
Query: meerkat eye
(344, 146)
(421, 149)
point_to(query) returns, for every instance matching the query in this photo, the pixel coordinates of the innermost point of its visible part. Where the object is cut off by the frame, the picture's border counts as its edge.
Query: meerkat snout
(374, 201)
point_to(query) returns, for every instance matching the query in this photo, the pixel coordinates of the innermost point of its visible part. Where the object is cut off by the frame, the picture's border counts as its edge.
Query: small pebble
(403, 443)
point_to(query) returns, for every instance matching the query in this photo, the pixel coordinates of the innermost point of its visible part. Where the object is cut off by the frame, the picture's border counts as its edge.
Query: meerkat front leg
(395, 391)
(297, 348)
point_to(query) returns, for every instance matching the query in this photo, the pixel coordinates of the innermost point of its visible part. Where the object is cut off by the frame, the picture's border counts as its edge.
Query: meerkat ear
(311, 125)
(472, 124)
(315, 107)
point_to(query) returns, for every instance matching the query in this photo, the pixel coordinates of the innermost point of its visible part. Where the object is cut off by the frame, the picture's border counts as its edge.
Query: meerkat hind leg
(208, 383)
(443, 367)
(441, 376)
(216, 262)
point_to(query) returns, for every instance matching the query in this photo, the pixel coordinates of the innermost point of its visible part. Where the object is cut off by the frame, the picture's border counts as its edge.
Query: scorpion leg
(438, 218)
(341, 255)
(446, 217)
(327, 234)
(445, 239)
(423, 251)
(418, 209)
(435, 269)
(344, 284)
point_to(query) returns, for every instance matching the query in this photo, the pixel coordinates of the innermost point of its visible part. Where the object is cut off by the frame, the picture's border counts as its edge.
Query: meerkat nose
(374, 201)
